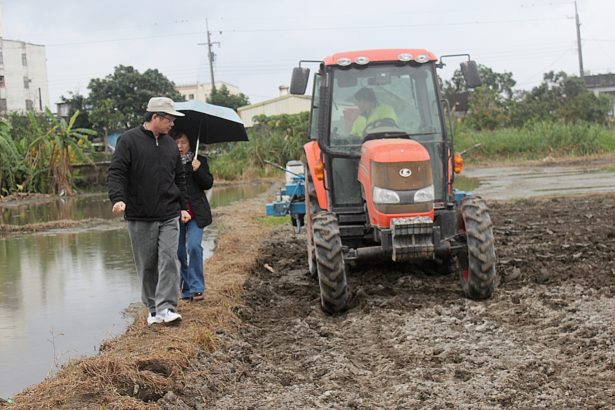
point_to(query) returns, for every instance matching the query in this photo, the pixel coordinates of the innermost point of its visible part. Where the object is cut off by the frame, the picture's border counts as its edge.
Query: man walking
(146, 182)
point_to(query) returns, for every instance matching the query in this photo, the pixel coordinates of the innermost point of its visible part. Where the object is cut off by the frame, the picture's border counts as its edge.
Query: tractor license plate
(411, 221)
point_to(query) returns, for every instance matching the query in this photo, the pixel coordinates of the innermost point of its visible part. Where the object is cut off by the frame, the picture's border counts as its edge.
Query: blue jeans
(190, 254)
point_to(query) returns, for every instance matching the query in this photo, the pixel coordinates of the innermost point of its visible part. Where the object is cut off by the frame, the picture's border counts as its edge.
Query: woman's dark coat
(196, 183)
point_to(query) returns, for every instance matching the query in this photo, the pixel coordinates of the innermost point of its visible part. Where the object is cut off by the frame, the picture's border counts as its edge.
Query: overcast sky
(261, 40)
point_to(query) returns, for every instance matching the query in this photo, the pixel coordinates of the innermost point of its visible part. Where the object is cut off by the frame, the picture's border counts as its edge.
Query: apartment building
(200, 91)
(23, 77)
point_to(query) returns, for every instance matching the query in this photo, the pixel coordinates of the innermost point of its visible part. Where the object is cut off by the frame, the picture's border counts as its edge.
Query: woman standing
(190, 251)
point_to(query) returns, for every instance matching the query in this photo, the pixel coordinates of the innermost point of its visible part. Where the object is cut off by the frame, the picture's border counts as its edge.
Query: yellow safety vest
(380, 112)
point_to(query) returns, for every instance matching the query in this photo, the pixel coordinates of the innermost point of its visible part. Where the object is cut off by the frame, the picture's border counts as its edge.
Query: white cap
(163, 104)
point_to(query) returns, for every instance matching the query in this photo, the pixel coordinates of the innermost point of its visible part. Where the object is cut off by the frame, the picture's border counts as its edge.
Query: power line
(296, 29)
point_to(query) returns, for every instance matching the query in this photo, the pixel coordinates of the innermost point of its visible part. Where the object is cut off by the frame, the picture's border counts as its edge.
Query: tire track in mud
(410, 338)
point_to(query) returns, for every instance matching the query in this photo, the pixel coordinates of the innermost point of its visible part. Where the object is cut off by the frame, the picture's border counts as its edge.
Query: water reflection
(60, 295)
(63, 293)
(99, 206)
(224, 195)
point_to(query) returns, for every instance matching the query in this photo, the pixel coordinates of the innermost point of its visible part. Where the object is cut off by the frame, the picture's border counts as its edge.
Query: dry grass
(139, 367)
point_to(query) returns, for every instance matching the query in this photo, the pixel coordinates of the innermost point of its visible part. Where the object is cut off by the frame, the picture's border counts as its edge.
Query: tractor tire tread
(481, 259)
(330, 263)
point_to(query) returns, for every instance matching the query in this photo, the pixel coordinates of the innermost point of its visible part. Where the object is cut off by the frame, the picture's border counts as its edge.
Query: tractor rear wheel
(477, 264)
(311, 207)
(330, 262)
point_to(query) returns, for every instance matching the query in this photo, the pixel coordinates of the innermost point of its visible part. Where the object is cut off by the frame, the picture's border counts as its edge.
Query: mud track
(411, 340)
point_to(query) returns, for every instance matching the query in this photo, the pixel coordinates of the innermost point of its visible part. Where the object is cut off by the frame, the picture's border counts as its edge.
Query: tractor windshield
(384, 98)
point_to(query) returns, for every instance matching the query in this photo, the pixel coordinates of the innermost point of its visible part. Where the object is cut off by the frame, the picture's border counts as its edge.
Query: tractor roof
(392, 54)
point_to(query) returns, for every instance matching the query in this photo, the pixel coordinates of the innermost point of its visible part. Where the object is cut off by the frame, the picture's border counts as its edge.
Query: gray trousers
(154, 247)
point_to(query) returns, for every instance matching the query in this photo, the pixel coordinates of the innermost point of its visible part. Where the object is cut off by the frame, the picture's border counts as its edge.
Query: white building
(602, 84)
(200, 91)
(284, 104)
(23, 77)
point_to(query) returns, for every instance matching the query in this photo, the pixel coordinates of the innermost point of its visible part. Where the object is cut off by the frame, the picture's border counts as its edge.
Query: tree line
(37, 151)
(560, 97)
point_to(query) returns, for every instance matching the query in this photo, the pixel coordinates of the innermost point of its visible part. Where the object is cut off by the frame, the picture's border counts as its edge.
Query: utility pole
(210, 56)
(576, 16)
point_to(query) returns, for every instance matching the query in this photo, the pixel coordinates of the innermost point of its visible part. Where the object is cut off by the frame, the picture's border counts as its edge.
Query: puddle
(518, 182)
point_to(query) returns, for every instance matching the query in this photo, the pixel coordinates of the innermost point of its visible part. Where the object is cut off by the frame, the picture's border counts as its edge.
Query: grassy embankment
(541, 141)
(536, 141)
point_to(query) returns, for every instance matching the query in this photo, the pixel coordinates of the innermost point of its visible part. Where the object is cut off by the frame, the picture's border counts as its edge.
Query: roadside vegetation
(559, 118)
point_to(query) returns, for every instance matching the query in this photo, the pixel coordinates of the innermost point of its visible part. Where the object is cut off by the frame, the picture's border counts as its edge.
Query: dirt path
(410, 340)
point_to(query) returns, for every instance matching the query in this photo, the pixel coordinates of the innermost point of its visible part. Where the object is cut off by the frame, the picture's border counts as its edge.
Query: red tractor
(379, 172)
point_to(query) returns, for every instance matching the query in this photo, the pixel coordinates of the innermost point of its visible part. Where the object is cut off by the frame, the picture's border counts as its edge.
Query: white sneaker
(168, 316)
(153, 319)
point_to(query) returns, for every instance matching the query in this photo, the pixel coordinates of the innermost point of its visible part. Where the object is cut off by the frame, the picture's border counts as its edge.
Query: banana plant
(9, 159)
(52, 148)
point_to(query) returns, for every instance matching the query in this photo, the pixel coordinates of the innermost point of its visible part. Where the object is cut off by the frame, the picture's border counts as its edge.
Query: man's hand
(185, 217)
(119, 207)
(196, 164)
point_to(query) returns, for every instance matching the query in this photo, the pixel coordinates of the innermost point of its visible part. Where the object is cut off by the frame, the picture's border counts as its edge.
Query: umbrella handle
(198, 138)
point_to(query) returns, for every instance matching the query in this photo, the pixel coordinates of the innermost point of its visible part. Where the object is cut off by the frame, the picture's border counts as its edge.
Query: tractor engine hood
(395, 174)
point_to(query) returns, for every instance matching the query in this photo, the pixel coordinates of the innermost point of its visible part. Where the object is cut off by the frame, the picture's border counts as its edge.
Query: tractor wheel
(330, 263)
(477, 264)
(312, 207)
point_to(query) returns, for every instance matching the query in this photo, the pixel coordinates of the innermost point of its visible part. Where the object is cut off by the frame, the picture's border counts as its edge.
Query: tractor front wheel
(311, 207)
(330, 262)
(477, 264)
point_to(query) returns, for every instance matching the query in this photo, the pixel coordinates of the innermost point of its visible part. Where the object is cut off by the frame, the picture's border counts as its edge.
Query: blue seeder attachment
(291, 199)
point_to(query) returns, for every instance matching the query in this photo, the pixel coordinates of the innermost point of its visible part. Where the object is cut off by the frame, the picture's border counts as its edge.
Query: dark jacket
(196, 182)
(148, 175)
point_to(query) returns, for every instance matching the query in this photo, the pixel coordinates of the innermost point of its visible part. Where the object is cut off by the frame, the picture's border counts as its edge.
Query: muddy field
(410, 339)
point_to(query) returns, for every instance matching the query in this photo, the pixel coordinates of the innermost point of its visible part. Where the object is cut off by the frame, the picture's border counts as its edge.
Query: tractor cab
(380, 163)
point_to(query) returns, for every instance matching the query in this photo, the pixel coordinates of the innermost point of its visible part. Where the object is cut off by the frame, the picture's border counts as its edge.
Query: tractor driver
(371, 113)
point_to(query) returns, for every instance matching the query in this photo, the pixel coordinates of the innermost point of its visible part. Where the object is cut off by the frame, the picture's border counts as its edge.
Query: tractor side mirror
(299, 80)
(469, 70)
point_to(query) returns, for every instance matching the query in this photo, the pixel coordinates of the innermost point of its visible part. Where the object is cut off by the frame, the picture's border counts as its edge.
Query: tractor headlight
(385, 196)
(424, 195)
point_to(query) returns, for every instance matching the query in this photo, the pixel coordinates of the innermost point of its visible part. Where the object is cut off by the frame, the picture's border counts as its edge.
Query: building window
(191, 96)
(26, 83)
(1, 58)
(24, 59)
(29, 105)
(2, 104)
(1, 81)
